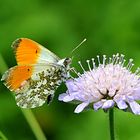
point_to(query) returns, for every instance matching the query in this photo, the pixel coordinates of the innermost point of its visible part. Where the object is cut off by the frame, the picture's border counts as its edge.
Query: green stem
(111, 124)
(2, 136)
(33, 124)
(3, 66)
(30, 118)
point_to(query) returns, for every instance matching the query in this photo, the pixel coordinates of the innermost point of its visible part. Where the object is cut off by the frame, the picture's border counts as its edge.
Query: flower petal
(61, 96)
(81, 107)
(71, 86)
(65, 97)
(108, 104)
(135, 107)
(136, 94)
(97, 105)
(121, 104)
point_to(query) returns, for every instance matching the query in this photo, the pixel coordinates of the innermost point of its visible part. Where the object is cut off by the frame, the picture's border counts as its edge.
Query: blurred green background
(109, 26)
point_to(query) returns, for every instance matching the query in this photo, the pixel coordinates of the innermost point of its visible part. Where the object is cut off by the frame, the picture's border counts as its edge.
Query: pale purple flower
(109, 84)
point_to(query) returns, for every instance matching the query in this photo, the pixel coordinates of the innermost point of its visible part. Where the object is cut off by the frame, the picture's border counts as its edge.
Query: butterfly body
(38, 74)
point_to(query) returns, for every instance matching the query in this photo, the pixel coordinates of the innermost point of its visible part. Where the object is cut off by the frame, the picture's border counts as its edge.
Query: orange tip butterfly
(37, 75)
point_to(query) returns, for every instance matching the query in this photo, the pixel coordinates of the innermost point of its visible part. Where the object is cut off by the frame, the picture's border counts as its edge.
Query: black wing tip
(16, 43)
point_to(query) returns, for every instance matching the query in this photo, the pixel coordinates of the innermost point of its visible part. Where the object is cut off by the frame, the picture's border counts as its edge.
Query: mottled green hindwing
(41, 86)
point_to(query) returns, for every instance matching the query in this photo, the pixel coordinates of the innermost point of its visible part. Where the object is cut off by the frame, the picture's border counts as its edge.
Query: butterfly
(37, 75)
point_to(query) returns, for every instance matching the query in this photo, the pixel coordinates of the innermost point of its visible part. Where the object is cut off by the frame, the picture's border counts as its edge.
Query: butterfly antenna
(78, 46)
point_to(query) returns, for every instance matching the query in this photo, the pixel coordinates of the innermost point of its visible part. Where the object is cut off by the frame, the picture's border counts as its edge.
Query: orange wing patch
(27, 51)
(16, 76)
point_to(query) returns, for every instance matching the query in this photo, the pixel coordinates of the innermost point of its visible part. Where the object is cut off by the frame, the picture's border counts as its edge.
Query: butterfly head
(65, 62)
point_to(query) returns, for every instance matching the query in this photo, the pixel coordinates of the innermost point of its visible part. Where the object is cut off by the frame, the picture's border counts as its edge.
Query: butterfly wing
(28, 51)
(33, 84)
(16, 76)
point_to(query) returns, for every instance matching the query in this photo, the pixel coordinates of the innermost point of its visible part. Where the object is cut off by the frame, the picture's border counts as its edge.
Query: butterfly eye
(67, 61)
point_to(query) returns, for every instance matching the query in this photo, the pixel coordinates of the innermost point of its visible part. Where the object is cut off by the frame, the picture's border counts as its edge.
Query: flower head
(109, 84)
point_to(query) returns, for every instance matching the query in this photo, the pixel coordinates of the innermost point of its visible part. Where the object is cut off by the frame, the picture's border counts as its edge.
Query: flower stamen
(98, 58)
(104, 60)
(88, 62)
(93, 62)
(81, 66)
